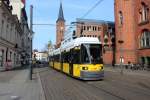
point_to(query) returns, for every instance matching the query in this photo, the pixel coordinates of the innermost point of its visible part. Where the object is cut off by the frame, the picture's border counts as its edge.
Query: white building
(41, 56)
(12, 36)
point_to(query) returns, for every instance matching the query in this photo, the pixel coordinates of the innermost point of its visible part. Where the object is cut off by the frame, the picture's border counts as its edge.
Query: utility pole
(31, 35)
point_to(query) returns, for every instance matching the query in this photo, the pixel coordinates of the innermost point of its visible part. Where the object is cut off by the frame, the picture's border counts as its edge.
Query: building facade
(132, 33)
(60, 27)
(41, 56)
(11, 35)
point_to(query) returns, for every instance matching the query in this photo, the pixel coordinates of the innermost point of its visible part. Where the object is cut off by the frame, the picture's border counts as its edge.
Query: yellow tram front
(87, 62)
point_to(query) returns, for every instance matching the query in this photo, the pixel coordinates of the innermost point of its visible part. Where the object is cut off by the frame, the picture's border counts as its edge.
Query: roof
(94, 21)
(78, 41)
(60, 15)
(75, 43)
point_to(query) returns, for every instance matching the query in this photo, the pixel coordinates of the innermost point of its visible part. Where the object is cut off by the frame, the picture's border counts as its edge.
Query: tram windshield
(91, 53)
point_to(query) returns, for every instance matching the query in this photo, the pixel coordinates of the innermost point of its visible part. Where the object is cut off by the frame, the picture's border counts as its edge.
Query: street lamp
(121, 56)
(31, 36)
(30, 59)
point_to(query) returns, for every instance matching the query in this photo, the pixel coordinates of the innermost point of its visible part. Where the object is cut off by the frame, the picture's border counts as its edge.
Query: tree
(48, 46)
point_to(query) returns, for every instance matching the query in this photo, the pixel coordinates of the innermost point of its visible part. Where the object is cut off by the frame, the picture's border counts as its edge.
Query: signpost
(121, 56)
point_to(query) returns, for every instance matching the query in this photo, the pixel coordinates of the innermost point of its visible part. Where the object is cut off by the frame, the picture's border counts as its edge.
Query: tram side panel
(50, 61)
(65, 61)
(57, 64)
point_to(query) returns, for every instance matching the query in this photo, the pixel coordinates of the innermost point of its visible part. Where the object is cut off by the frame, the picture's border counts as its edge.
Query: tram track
(106, 91)
(85, 84)
(67, 88)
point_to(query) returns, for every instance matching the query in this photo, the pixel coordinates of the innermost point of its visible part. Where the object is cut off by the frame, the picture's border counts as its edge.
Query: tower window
(144, 12)
(120, 18)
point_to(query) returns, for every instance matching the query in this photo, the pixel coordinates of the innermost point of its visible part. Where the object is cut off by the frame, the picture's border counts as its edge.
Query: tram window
(84, 55)
(95, 52)
(66, 57)
(76, 56)
(57, 58)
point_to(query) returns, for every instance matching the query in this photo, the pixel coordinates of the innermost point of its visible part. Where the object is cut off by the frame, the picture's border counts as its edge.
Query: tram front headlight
(84, 68)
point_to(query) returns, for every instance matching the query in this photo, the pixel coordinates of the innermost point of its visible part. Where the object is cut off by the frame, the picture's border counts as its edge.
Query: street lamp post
(30, 36)
(121, 55)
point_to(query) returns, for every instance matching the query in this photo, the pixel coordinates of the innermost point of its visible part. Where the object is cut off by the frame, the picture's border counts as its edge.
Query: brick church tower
(132, 25)
(60, 26)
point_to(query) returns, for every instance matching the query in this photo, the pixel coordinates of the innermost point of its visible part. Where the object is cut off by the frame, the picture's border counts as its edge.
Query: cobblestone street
(58, 86)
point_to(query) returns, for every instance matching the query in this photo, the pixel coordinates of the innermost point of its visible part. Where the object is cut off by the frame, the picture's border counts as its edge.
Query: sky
(46, 12)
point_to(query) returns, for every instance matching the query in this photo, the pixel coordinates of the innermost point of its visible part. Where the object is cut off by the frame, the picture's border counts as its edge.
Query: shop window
(14, 58)
(145, 39)
(1, 57)
(2, 28)
(10, 55)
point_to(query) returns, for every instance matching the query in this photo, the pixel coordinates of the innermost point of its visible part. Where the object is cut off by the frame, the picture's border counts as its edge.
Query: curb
(42, 95)
(129, 72)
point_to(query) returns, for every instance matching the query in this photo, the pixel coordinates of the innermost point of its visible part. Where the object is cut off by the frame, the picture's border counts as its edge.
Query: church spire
(60, 15)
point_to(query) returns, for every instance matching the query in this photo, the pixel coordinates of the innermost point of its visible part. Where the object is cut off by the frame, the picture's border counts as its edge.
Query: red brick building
(60, 26)
(132, 24)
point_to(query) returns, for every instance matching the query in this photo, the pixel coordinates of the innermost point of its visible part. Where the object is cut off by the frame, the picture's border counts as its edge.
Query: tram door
(61, 61)
(71, 62)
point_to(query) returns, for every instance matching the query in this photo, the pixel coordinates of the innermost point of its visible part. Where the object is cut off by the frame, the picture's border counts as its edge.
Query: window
(76, 56)
(120, 18)
(144, 13)
(99, 28)
(91, 53)
(84, 28)
(1, 57)
(14, 58)
(65, 57)
(10, 55)
(145, 39)
(2, 28)
(88, 28)
(94, 28)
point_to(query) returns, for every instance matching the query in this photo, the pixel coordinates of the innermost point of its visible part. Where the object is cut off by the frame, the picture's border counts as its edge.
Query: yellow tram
(80, 58)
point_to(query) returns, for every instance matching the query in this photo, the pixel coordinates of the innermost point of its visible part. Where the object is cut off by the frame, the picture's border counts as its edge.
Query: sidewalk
(20, 87)
(128, 71)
